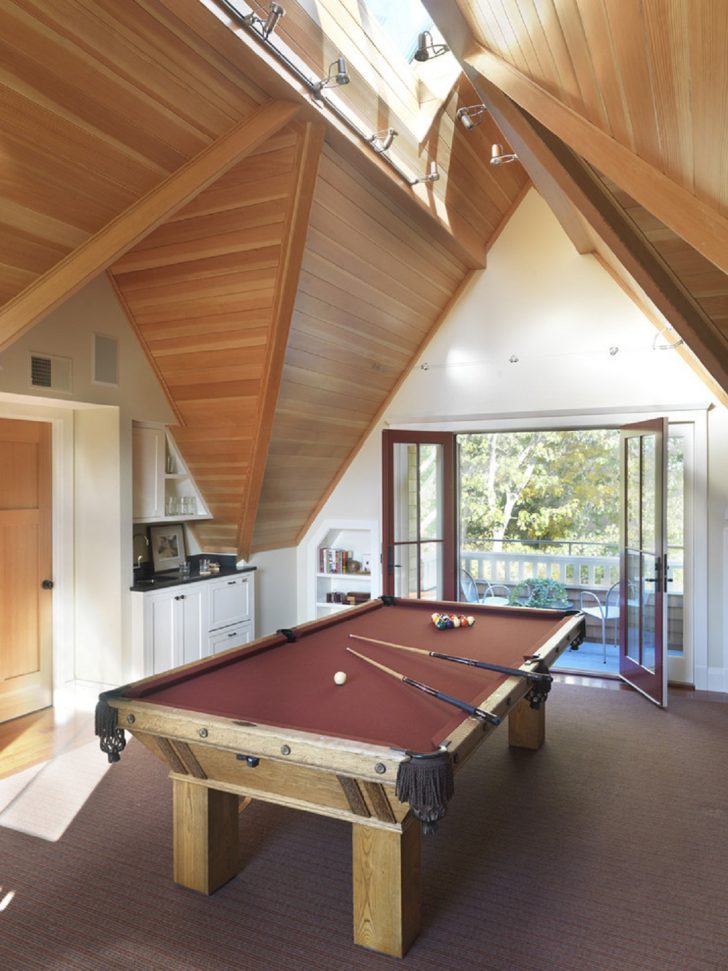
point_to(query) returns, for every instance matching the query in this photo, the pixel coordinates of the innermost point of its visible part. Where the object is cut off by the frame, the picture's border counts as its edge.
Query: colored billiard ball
(340, 677)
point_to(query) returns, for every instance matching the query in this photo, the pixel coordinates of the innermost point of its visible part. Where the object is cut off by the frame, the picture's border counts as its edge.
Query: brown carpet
(602, 852)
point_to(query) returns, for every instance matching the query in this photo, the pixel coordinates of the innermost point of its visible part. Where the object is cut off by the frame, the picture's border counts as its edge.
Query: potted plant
(542, 592)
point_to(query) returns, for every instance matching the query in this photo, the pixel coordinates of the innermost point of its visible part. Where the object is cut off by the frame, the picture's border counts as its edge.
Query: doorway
(540, 511)
(529, 541)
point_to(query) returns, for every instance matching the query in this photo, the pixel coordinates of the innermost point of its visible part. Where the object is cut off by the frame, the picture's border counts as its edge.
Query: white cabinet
(231, 617)
(163, 486)
(175, 627)
(189, 621)
(148, 464)
(230, 600)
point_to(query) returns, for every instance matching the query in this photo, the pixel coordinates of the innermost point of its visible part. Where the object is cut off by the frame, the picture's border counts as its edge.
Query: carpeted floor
(605, 851)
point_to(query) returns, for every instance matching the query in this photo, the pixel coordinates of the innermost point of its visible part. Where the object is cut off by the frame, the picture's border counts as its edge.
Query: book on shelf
(333, 560)
(357, 596)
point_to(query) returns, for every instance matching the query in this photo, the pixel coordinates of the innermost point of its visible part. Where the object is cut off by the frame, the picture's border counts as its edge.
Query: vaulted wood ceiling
(619, 112)
(280, 275)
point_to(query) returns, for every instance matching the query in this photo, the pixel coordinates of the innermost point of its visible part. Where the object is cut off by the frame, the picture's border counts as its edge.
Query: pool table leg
(387, 886)
(527, 726)
(206, 843)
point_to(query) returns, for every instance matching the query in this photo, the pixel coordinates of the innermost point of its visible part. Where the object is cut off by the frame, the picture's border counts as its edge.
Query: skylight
(403, 21)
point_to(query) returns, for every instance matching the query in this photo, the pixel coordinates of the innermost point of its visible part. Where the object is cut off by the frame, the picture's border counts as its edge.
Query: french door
(643, 559)
(418, 493)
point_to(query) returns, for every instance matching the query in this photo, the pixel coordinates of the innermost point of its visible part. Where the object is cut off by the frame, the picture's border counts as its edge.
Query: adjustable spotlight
(499, 157)
(267, 26)
(382, 140)
(471, 116)
(338, 76)
(432, 174)
(427, 48)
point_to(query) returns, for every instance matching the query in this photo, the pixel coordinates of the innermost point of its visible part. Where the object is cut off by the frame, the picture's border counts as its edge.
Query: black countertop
(158, 581)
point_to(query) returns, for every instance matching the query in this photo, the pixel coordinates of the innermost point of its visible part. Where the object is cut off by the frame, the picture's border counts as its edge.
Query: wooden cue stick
(441, 695)
(471, 662)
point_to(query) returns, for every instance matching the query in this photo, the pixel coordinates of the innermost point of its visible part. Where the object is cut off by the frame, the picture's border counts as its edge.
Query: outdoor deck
(578, 572)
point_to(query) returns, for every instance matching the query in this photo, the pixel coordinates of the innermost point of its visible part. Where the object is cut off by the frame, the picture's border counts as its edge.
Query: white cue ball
(340, 677)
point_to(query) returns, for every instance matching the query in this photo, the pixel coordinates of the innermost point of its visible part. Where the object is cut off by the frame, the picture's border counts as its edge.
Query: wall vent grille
(50, 372)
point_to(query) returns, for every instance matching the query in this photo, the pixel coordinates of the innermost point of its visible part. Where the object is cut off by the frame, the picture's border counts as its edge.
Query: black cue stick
(471, 662)
(463, 705)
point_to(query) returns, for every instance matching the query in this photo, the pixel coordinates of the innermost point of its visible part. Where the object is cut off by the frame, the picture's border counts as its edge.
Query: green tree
(539, 486)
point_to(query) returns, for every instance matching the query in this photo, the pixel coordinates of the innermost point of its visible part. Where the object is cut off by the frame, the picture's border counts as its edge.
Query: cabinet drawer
(229, 601)
(235, 636)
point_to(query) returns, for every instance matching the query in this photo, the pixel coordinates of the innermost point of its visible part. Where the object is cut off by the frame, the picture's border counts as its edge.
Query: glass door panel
(431, 572)
(643, 652)
(404, 507)
(418, 514)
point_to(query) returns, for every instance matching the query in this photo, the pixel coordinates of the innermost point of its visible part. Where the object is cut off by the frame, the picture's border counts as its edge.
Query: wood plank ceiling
(282, 290)
(638, 92)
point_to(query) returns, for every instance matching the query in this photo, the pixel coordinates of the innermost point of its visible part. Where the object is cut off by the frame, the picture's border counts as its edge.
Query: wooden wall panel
(366, 301)
(201, 292)
(651, 75)
(99, 103)
(705, 282)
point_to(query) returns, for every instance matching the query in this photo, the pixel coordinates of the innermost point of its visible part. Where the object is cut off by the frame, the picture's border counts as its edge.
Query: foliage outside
(550, 487)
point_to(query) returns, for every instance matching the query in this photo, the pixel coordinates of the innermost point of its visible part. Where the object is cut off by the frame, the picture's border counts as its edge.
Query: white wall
(559, 313)
(97, 562)
(92, 507)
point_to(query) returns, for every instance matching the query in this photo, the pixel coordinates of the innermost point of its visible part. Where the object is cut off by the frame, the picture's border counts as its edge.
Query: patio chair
(603, 612)
(497, 594)
(468, 588)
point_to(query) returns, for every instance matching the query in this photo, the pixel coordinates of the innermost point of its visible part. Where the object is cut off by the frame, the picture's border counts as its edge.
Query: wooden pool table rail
(216, 761)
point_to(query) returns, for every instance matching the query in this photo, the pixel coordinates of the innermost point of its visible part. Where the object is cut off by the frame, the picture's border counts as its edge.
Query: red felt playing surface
(291, 684)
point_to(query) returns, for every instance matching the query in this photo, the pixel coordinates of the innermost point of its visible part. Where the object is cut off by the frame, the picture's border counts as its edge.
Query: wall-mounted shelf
(164, 490)
(335, 547)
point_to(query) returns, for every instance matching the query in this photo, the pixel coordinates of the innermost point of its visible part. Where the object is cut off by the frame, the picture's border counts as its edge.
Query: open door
(418, 499)
(643, 560)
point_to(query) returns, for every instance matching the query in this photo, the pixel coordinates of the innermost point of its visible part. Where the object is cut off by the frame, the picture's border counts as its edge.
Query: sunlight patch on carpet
(44, 800)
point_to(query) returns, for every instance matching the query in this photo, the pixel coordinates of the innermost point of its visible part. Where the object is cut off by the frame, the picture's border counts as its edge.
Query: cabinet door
(191, 624)
(148, 457)
(175, 627)
(159, 631)
(229, 601)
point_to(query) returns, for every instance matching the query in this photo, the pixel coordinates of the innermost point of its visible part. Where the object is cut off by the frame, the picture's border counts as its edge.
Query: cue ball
(340, 677)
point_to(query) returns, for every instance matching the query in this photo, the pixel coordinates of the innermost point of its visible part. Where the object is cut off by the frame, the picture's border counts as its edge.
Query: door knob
(47, 584)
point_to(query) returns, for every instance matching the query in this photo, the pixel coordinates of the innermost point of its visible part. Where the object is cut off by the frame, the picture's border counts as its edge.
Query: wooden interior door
(26, 641)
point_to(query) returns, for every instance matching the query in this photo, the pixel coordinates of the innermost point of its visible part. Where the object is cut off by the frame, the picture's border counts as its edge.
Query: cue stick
(463, 705)
(486, 665)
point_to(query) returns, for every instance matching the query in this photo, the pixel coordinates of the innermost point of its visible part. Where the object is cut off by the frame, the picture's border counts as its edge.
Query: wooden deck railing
(575, 571)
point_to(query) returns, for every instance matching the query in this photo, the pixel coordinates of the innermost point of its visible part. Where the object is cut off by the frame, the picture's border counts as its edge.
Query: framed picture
(168, 546)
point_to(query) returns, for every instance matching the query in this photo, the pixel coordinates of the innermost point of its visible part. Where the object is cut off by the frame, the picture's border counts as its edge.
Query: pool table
(267, 721)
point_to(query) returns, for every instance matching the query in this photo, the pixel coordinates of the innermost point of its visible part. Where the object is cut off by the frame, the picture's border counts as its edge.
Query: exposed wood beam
(306, 167)
(697, 222)
(617, 230)
(536, 145)
(454, 28)
(123, 232)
